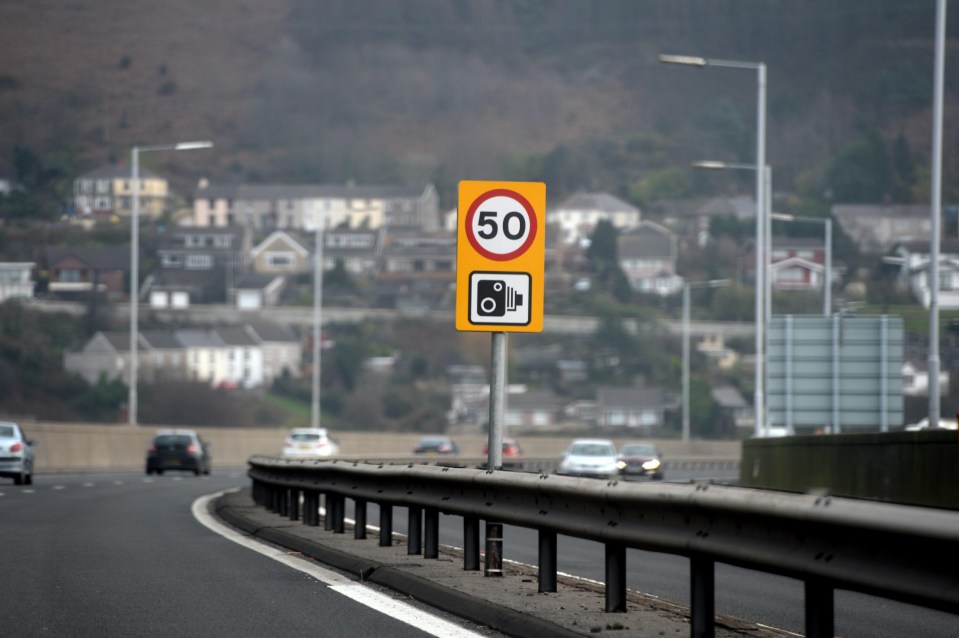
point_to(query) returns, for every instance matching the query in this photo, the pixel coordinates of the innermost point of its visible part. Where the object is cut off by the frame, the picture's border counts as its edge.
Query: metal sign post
(500, 263)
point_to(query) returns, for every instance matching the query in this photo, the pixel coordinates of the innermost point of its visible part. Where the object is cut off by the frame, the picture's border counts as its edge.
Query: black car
(178, 450)
(640, 460)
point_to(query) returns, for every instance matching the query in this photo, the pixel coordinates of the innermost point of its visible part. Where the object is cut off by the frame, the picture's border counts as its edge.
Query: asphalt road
(123, 555)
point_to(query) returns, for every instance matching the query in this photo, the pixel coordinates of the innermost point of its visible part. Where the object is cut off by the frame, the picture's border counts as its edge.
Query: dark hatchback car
(436, 445)
(640, 460)
(178, 450)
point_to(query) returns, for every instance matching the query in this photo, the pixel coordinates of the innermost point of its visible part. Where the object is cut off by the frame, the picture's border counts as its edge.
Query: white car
(16, 454)
(309, 443)
(923, 424)
(590, 457)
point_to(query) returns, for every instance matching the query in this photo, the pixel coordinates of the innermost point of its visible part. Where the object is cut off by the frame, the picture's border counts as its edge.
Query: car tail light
(191, 448)
(445, 448)
(16, 447)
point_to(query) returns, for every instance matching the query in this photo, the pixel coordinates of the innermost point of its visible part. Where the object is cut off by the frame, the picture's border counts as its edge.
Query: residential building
(796, 263)
(915, 379)
(302, 206)
(282, 253)
(877, 227)
(417, 271)
(915, 260)
(16, 280)
(647, 254)
(577, 215)
(253, 291)
(734, 408)
(76, 272)
(108, 190)
(198, 265)
(244, 356)
(632, 407)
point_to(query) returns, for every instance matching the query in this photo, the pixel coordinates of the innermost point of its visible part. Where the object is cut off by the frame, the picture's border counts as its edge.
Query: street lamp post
(827, 226)
(317, 320)
(713, 283)
(135, 258)
(936, 185)
(761, 224)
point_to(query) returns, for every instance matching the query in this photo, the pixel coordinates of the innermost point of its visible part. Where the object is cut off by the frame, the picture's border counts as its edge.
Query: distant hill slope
(442, 90)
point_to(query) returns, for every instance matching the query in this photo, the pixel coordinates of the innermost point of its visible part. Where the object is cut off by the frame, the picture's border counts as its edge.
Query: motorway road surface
(123, 555)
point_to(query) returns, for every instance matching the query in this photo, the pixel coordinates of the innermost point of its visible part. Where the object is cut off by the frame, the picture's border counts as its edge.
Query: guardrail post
(386, 525)
(338, 504)
(359, 516)
(471, 543)
(615, 577)
(547, 561)
(820, 609)
(431, 533)
(294, 504)
(494, 549)
(327, 511)
(275, 494)
(702, 589)
(284, 509)
(415, 530)
(311, 508)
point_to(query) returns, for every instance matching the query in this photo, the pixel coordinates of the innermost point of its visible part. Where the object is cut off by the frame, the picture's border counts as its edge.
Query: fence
(892, 551)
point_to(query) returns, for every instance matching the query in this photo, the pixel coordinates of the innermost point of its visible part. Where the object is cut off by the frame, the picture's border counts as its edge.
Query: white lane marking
(28, 491)
(88, 484)
(63, 487)
(362, 594)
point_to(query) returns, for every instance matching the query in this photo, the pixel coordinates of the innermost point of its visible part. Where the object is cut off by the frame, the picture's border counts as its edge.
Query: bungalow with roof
(105, 355)
(16, 280)
(734, 408)
(577, 216)
(303, 206)
(632, 407)
(647, 254)
(282, 253)
(76, 272)
(877, 227)
(915, 260)
(108, 190)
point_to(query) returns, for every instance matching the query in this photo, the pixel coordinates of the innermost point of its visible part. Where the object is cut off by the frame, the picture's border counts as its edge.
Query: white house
(16, 280)
(914, 262)
(578, 215)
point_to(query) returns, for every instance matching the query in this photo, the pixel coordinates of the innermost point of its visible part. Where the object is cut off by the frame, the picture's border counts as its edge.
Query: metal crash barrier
(898, 552)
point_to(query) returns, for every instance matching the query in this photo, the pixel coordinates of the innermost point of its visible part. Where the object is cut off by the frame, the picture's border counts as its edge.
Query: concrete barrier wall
(915, 468)
(66, 447)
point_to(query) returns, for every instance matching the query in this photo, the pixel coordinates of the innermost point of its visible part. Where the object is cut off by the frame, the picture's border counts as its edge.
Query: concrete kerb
(510, 604)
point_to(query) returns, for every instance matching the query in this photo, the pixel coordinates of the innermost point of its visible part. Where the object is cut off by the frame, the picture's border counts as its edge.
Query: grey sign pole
(494, 456)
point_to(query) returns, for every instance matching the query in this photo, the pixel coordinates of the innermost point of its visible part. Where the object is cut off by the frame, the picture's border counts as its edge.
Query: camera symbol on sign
(495, 298)
(500, 298)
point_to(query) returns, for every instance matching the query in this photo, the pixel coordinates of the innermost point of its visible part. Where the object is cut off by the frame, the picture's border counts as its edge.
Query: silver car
(16, 454)
(589, 457)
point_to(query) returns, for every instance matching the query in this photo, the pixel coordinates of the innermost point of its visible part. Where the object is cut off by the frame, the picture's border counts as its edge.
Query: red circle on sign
(474, 242)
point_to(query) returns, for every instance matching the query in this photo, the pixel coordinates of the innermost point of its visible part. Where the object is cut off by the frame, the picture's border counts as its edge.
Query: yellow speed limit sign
(500, 256)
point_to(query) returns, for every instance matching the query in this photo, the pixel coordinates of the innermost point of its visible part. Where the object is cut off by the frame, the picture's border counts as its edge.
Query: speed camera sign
(500, 256)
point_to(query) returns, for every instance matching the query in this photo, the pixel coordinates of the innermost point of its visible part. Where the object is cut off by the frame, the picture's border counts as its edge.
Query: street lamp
(827, 224)
(712, 283)
(763, 289)
(135, 256)
(317, 318)
(761, 244)
(936, 197)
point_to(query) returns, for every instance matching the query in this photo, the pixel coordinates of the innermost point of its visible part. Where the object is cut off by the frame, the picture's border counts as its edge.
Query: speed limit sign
(500, 256)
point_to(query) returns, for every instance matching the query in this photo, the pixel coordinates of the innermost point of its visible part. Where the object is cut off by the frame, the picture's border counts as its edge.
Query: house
(282, 253)
(577, 216)
(246, 356)
(76, 272)
(734, 407)
(108, 191)
(632, 407)
(915, 379)
(282, 350)
(914, 261)
(532, 410)
(797, 264)
(877, 227)
(198, 265)
(16, 280)
(416, 271)
(303, 206)
(647, 254)
(356, 249)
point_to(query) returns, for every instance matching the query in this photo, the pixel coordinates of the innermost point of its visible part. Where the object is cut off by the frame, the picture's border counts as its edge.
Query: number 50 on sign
(500, 256)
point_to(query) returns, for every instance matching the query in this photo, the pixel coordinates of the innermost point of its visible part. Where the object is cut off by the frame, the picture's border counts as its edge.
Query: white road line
(59, 487)
(362, 594)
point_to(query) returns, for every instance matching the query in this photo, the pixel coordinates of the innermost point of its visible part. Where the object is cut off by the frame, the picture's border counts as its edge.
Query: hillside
(412, 90)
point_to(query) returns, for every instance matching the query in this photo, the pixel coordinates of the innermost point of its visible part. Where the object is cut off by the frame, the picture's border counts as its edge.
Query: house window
(101, 203)
(172, 261)
(222, 241)
(71, 275)
(280, 261)
(103, 186)
(199, 262)
(805, 254)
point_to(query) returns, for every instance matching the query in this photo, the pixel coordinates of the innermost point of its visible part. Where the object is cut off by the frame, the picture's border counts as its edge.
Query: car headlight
(650, 465)
(621, 465)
